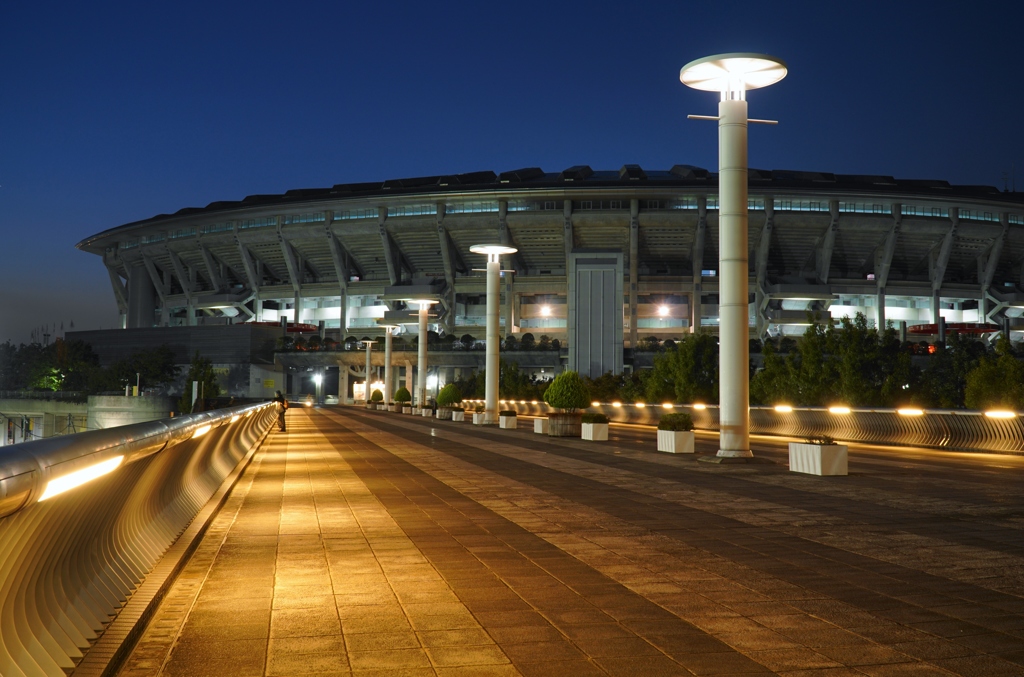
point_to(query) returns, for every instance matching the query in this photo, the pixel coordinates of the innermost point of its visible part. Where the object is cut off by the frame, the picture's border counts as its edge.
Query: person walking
(281, 403)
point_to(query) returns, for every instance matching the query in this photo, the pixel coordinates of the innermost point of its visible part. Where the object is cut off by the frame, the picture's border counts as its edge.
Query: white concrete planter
(478, 418)
(508, 422)
(675, 441)
(427, 413)
(416, 411)
(818, 459)
(405, 410)
(540, 426)
(382, 407)
(596, 432)
(459, 415)
(392, 407)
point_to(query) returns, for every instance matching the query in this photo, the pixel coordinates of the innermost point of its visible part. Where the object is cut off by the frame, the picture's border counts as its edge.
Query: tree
(527, 342)
(997, 381)
(544, 343)
(403, 395)
(511, 343)
(687, 374)
(155, 367)
(449, 396)
(568, 393)
(944, 381)
(201, 370)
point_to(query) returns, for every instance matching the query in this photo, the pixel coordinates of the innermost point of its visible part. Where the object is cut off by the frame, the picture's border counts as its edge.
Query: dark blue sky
(114, 112)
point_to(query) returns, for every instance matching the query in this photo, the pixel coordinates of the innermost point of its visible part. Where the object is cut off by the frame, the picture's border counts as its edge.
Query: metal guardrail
(84, 518)
(953, 430)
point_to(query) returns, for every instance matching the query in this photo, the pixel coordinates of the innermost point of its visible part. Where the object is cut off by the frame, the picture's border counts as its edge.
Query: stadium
(605, 259)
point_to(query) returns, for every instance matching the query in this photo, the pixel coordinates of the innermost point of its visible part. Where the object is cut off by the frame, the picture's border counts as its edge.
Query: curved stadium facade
(634, 244)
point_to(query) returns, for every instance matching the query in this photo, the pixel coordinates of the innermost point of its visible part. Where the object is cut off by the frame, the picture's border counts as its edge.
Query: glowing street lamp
(732, 75)
(491, 367)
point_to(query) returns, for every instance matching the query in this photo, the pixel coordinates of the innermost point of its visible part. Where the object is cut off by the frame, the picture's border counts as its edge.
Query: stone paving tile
(885, 589)
(364, 544)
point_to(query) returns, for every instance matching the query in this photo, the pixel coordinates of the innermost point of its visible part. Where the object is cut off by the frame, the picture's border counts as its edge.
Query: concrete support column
(880, 309)
(421, 357)
(141, 298)
(734, 328)
(298, 306)
(510, 318)
(491, 365)
(634, 268)
(387, 366)
(697, 257)
(407, 381)
(935, 307)
(342, 384)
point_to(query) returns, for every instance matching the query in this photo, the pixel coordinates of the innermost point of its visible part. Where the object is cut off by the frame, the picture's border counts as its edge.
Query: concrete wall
(108, 411)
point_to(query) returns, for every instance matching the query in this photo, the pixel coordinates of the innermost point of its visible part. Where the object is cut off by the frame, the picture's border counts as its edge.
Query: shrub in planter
(449, 396)
(819, 455)
(675, 434)
(507, 419)
(594, 427)
(377, 396)
(676, 422)
(403, 396)
(567, 393)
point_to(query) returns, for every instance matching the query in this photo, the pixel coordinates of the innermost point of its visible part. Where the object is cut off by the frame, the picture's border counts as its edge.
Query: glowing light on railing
(640, 405)
(839, 410)
(910, 411)
(616, 404)
(595, 404)
(248, 413)
(201, 430)
(999, 413)
(667, 405)
(235, 417)
(783, 408)
(522, 401)
(79, 477)
(535, 402)
(699, 407)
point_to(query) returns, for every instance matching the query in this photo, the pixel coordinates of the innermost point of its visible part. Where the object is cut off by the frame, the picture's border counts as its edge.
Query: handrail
(85, 517)
(27, 469)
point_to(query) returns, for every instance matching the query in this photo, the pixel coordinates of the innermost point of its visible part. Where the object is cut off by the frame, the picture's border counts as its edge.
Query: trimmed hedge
(594, 418)
(507, 412)
(376, 396)
(403, 395)
(676, 422)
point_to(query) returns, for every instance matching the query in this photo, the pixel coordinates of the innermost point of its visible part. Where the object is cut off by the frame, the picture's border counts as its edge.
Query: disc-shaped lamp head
(733, 73)
(492, 251)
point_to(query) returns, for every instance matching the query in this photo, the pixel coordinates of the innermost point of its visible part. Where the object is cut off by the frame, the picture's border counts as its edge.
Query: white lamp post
(388, 329)
(421, 352)
(732, 75)
(491, 363)
(366, 388)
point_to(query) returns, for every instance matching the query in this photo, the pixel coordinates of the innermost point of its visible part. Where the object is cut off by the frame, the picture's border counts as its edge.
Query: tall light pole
(732, 75)
(421, 345)
(491, 364)
(366, 388)
(388, 330)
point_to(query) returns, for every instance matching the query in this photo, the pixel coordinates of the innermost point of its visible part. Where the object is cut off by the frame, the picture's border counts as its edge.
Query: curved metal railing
(954, 430)
(84, 518)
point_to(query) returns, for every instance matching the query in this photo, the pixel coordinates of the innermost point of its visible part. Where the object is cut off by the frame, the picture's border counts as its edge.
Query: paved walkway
(375, 544)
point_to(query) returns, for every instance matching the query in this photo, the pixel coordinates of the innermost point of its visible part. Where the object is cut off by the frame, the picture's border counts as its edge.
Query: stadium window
(549, 204)
(654, 204)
